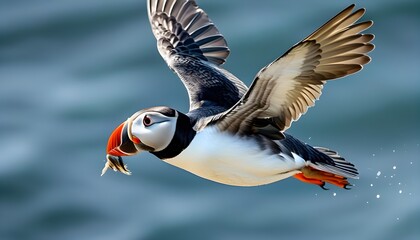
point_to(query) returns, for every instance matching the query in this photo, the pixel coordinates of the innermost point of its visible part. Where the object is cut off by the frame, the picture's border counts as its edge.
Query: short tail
(335, 172)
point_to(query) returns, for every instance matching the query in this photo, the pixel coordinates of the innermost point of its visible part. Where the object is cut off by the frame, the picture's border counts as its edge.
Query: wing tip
(187, 29)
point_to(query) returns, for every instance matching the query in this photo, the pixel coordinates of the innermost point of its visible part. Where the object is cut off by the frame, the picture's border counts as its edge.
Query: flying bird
(233, 134)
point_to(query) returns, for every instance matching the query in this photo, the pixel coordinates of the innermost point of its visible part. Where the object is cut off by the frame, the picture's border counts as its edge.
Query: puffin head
(152, 129)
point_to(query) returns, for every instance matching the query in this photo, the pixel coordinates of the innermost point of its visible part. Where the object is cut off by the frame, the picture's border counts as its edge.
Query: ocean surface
(71, 71)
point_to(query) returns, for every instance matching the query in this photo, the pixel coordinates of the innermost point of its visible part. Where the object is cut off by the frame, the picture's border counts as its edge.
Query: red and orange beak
(120, 144)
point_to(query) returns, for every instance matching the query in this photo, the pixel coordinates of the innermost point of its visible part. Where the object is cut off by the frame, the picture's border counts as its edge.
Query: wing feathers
(188, 29)
(203, 30)
(194, 49)
(348, 58)
(295, 80)
(340, 23)
(351, 30)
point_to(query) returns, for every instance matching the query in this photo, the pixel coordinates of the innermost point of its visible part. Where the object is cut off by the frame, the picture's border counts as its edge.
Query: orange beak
(114, 142)
(120, 144)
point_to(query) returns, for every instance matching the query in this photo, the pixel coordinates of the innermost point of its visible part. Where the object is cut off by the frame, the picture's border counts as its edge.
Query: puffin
(234, 134)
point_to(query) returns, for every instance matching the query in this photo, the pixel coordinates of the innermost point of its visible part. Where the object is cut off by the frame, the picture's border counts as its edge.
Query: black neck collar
(183, 136)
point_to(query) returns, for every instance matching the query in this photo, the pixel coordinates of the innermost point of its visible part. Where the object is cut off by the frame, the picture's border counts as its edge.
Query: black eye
(147, 121)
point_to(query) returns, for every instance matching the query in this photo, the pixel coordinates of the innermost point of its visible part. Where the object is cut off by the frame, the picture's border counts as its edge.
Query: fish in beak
(120, 143)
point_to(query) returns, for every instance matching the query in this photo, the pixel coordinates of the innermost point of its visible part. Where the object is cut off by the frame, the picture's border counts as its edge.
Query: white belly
(231, 160)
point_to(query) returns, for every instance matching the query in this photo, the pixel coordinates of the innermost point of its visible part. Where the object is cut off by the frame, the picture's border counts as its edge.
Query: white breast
(232, 160)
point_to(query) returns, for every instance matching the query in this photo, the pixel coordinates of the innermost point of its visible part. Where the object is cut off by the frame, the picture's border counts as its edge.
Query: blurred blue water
(70, 71)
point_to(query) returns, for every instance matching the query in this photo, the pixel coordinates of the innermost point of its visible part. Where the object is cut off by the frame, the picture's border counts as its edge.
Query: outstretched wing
(192, 46)
(283, 90)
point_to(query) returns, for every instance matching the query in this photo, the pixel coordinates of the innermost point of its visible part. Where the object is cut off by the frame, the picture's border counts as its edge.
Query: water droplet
(378, 196)
(393, 150)
(411, 163)
(334, 194)
(399, 183)
(398, 219)
(367, 202)
(394, 167)
(378, 173)
(400, 191)
(373, 155)
(371, 184)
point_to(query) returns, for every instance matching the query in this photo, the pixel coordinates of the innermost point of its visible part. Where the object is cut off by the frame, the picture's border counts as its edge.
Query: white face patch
(154, 129)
